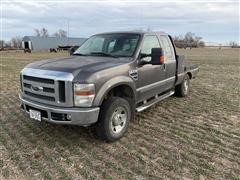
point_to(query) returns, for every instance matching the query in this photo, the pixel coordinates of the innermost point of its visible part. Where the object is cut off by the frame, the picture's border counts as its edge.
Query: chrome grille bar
(43, 86)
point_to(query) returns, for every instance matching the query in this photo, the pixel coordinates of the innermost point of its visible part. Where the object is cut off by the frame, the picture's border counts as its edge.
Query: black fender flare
(112, 83)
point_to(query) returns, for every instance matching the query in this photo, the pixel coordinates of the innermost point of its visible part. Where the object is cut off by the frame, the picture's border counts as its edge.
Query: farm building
(41, 43)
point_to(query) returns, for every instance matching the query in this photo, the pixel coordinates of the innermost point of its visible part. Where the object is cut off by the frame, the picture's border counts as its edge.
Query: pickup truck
(109, 78)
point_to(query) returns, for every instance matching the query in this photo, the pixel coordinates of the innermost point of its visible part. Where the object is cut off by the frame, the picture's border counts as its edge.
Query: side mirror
(157, 56)
(71, 51)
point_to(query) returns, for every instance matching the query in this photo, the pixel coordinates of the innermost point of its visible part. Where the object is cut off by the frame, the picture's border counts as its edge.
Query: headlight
(83, 94)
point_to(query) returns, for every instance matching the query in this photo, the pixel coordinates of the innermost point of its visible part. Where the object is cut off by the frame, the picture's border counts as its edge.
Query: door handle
(164, 67)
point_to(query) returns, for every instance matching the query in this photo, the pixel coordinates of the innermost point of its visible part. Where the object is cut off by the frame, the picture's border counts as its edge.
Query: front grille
(61, 90)
(44, 90)
(37, 79)
(48, 98)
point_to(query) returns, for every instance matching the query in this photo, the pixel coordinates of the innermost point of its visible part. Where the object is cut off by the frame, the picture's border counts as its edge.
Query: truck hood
(75, 64)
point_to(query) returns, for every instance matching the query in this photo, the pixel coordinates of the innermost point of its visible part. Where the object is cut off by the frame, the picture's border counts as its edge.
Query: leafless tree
(201, 44)
(16, 42)
(7, 44)
(233, 44)
(2, 43)
(60, 33)
(188, 40)
(44, 32)
(41, 32)
(37, 32)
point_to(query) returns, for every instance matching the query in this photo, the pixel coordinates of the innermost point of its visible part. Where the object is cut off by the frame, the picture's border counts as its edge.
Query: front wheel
(114, 119)
(182, 89)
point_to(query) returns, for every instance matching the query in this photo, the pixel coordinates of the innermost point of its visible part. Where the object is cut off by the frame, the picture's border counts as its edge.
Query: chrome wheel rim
(118, 120)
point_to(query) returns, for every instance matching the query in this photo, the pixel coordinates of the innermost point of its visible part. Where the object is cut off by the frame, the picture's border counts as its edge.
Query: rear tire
(182, 90)
(114, 119)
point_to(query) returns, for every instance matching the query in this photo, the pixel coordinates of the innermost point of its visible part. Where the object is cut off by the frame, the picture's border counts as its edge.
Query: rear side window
(167, 48)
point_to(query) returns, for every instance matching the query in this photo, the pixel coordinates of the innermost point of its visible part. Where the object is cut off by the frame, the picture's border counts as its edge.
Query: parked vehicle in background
(106, 80)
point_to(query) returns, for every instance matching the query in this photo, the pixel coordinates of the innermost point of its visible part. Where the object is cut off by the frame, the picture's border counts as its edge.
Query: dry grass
(194, 137)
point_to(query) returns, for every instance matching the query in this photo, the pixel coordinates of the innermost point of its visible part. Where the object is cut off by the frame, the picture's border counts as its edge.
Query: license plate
(36, 115)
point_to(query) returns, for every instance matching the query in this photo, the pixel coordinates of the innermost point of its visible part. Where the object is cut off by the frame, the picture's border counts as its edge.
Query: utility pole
(68, 31)
(68, 27)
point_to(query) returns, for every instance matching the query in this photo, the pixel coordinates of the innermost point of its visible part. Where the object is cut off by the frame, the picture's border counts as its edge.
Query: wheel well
(190, 75)
(126, 92)
(123, 91)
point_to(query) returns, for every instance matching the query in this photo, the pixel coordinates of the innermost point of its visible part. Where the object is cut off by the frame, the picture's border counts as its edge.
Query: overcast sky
(216, 21)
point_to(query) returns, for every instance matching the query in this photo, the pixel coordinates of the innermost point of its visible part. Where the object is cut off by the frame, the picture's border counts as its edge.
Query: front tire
(114, 119)
(182, 90)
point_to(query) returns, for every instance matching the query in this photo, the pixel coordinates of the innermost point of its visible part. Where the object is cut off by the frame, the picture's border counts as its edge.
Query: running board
(156, 100)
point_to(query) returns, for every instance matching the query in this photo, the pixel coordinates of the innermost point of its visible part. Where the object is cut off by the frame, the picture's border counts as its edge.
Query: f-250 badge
(133, 73)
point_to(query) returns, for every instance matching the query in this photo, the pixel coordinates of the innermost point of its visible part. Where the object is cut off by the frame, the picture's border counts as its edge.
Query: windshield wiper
(103, 54)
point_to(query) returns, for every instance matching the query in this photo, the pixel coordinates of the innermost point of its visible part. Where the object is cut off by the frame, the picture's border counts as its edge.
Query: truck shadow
(70, 137)
(66, 135)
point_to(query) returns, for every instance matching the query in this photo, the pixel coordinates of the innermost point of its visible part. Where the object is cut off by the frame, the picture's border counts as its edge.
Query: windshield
(115, 45)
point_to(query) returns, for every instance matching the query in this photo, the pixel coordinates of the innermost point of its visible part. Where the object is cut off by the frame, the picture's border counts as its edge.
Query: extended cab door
(150, 77)
(169, 61)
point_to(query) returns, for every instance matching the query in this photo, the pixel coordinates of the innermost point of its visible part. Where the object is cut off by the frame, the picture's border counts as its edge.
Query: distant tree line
(233, 44)
(43, 32)
(188, 40)
(16, 42)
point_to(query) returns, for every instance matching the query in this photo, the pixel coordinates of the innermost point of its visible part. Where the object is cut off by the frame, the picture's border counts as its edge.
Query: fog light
(69, 117)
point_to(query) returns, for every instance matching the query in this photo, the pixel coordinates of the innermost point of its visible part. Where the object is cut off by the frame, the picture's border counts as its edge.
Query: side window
(167, 48)
(149, 42)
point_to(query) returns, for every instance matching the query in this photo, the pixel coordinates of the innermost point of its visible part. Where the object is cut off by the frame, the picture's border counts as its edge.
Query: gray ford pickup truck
(105, 81)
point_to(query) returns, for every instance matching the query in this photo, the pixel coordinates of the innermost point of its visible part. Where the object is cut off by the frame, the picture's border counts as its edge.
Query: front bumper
(58, 115)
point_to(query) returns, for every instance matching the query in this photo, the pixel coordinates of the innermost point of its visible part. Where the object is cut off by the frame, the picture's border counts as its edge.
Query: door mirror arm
(142, 61)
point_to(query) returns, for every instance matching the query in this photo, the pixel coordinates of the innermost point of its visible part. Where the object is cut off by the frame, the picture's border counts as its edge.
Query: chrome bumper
(58, 115)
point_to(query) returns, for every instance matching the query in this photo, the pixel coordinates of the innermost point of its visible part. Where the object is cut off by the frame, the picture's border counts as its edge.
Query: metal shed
(43, 43)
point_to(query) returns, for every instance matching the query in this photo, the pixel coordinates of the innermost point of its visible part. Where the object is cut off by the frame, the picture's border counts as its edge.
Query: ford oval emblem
(36, 88)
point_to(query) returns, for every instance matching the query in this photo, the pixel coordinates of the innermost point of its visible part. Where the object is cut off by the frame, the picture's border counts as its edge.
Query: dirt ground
(179, 138)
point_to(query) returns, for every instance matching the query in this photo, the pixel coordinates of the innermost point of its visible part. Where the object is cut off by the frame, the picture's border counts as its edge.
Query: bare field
(179, 138)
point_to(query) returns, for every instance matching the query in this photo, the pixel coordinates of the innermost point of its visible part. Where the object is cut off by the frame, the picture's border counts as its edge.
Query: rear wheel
(182, 89)
(113, 119)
